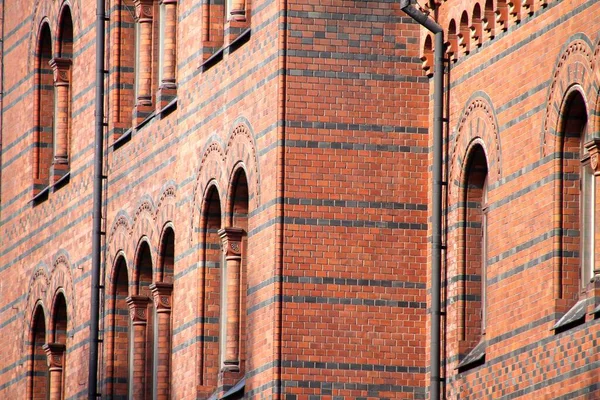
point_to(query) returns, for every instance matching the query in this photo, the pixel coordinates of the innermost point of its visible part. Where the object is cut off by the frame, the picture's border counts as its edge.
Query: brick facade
(266, 198)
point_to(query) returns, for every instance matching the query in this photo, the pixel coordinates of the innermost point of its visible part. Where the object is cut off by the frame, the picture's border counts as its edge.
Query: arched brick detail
(210, 172)
(43, 12)
(118, 239)
(61, 279)
(165, 206)
(594, 119)
(144, 221)
(36, 294)
(112, 270)
(241, 148)
(573, 67)
(478, 121)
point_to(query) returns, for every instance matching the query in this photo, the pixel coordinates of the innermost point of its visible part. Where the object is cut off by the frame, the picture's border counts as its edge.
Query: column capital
(138, 309)
(55, 353)
(161, 291)
(168, 2)
(593, 148)
(60, 67)
(143, 10)
(232, 241)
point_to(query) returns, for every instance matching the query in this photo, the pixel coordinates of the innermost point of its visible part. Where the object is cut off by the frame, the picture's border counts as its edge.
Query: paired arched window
(224, 261)
(52, 105)
(48, 351)
(141, 324)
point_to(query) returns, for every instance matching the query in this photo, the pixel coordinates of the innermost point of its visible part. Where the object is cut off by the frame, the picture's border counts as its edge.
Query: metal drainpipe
(97, 210)
(408, 6)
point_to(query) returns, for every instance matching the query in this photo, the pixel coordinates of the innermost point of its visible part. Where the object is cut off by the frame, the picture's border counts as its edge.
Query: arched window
(118, 333)
(577, 201)
(38, 370)
(44, 112)
(211, 278)
(474, 246)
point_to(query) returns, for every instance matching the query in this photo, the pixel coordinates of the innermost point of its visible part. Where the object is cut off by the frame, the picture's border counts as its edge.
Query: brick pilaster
(62, 76)
(167, 90)
(144, 14)
(161, 293)
(55, 353)
(232, 247)
(138, 312)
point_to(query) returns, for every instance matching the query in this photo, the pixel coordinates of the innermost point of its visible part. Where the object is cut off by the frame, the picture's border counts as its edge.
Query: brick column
(232, 247)
(55, 353)
(143, 17)
(138, 312)
(161, 292)
(62, 71)
(167, 89)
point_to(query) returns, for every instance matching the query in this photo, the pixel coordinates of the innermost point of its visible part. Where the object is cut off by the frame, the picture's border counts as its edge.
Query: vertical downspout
(97, 196)
(436, 213)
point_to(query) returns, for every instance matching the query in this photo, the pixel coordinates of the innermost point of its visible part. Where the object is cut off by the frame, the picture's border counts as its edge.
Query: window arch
(38, 370)
(118, 332)
(212, 281)
(474, 257)
(576, 200)
(43, 111)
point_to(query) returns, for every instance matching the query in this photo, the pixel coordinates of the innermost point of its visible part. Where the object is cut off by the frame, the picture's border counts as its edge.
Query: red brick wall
(506, 94)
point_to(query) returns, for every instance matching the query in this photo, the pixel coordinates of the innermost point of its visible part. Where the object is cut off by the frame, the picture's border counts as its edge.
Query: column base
(141, 111)
(165, 94)
(58, 170)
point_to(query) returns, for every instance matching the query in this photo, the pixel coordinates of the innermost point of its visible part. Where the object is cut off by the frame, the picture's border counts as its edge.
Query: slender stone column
(138, 312)
(62, 76)
(161, 292)
(167, 90)
(55, 353)
(143, 17)
(232, 247)
(169, 43)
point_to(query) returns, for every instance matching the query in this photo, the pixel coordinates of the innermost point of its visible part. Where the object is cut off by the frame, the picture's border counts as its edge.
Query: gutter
(408, 6)
(97, 204)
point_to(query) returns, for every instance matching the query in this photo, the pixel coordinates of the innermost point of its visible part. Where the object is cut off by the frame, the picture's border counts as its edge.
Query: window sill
(61, 182)
(474, 358)
(575, 316)
(235, 44)
(41, 196)
(124, 138)
(168, 109)
(237, 391)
